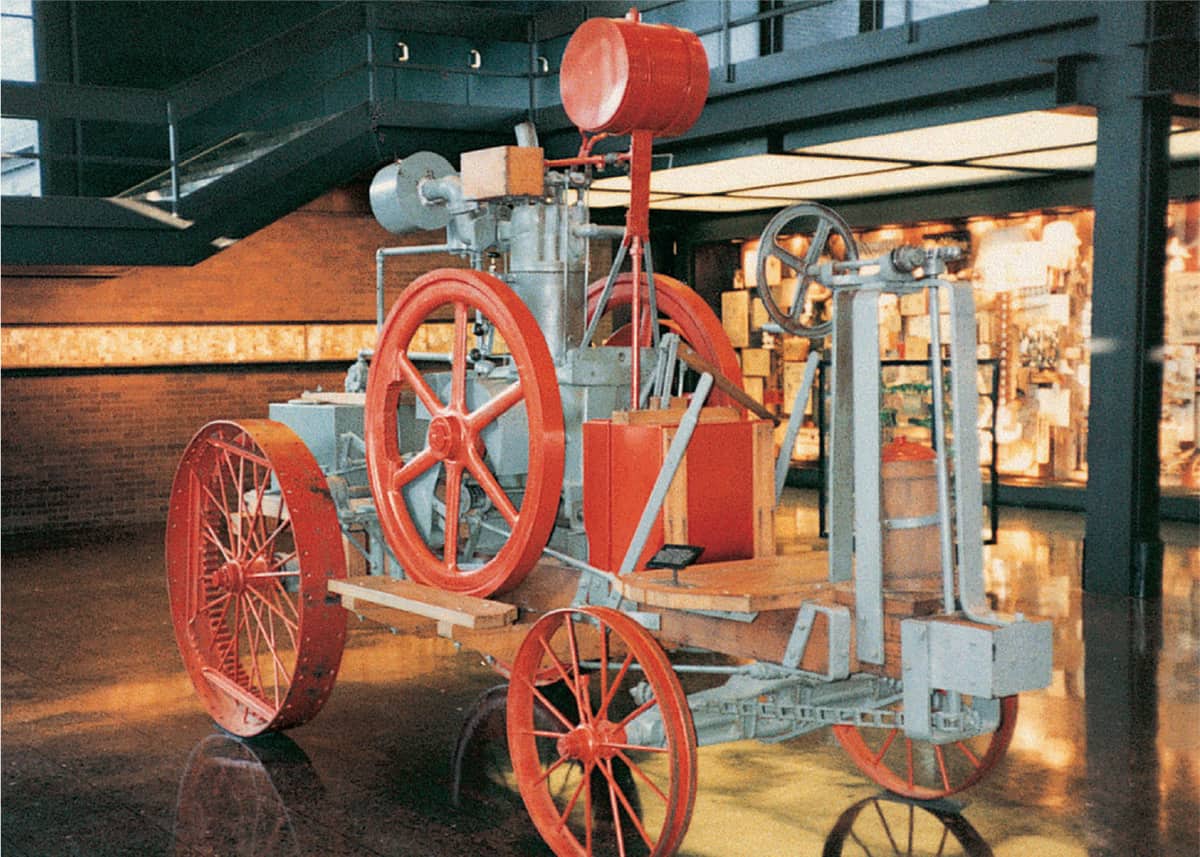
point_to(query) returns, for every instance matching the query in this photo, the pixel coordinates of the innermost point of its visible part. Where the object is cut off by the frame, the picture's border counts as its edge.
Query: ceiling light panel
(1070, 158)
(1185, 145)
(892, 181)
(615, 199)
(748, 172)
(977, 138)
(718, 203)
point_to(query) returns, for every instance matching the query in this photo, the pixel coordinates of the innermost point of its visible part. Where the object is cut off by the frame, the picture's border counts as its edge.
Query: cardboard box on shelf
(750, 265)
(757, 362)
(735, 317)
(795, 348)
(754, 387)
(758, 313)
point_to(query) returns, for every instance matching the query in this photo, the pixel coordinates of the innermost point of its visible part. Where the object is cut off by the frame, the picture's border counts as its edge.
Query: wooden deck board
(462, 610)
(742, 586)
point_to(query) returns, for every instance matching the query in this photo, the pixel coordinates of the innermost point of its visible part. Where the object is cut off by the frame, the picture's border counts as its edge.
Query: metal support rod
(635, 322)
(173, 147)
(651, 294)
(565, 559)
(381, 254)
(945, 524)
(605, 294)
(674, 458)
(794, 422)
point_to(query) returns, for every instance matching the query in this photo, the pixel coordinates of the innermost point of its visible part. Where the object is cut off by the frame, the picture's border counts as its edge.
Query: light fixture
(890, 181)
(977, 138)
(718, 203)
(1069, 158)
(747, 172)
(616, 199)
(1185, 145)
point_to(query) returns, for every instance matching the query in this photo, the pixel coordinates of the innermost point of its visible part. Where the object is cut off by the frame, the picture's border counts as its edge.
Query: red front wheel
(591, 784)
(922, 769)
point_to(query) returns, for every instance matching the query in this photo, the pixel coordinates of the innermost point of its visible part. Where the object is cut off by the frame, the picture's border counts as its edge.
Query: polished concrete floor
(106, 750)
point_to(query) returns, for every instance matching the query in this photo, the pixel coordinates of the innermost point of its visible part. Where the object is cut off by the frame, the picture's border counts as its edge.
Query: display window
(1032, 273)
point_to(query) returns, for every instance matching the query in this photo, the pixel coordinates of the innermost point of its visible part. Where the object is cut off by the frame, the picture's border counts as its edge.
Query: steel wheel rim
(566, 813)
(892, 761)
(829, 224)
(258, 637)
(453, 440)
(692, 318)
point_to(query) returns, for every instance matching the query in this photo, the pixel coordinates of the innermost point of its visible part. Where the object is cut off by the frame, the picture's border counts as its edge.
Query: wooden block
(334, 398)
(409, 597)
(795, 348)
(735, 317)
(915, 303)
(793, 377)
(915, 348)
(502, 171)
(764, 490)
(675, 505)
(758, 313)
(756, 361)
(754, 388)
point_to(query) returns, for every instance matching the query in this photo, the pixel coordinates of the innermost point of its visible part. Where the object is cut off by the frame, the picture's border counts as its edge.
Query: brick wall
(90, 451)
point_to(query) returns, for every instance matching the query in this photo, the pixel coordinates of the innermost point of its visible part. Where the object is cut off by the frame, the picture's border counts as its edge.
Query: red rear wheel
(590, 784)
(921, 769)
(452, 468)
(252, 538)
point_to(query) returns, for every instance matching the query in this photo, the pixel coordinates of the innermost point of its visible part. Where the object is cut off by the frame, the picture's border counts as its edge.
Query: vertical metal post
(868, 507)
(1122, 548)
(726, 36)
(173, 147)
(840, 482)
(936, 373)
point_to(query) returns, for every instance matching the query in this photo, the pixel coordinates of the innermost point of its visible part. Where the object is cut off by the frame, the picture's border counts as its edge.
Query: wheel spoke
(453, 470)
(585, 704)
(887, 828)
(886, 744)
(550, 706)
(967, 752)
(636, 748)
(782, 254)
(413, 468)
(817, 247)
(554, 766)
(291, 626)
(908, 751)
(642, 775)
(216, 540)
(559, 667)
(941, 762)
(798, 299)
(602, 711)
(644, 707)
(616, 811)
(587, 813)
(604, 631)
(458, 360)
(491, 487)
(407, 371)
(606, 769)
(481, 417)
(562, 819)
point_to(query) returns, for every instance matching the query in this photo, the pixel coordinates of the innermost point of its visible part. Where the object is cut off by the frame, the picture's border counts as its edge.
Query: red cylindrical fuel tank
(621, 76)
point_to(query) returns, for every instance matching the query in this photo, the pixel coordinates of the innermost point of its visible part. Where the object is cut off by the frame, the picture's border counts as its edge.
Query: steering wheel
(829, 238)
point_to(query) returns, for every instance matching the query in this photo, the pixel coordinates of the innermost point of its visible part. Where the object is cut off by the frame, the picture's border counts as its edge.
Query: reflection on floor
(106, 751)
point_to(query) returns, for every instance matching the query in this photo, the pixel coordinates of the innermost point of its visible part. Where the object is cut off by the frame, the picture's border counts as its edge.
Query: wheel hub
(447, 433)
(589, 743)
(237, 576)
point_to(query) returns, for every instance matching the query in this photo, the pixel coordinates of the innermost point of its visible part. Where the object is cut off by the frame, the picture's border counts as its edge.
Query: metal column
(1122, 550)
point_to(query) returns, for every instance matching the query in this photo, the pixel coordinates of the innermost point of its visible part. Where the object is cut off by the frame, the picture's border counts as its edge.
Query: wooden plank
(741, 586)
(695, 361)
(675, 505)
(674, 416)
(333, 398)
(465, 610)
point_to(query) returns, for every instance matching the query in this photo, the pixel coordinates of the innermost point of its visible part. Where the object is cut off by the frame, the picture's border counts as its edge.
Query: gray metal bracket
(839, 638)
(794, 422)
(864, 421)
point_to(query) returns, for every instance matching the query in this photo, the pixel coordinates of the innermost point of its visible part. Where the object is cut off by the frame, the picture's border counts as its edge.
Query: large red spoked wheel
(252, 538)
(469, 485)
(921, 769)
(685, 313)
(590, 788)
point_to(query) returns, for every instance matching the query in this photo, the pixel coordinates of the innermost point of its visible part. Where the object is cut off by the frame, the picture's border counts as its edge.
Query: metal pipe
(674, 458)
(704, 669)
(602, 303)
(384, 252)
(526, 134)
(635, 322)
(597, 230)
(565, 559)
(945, 535)
(649, 256)
(173, 146)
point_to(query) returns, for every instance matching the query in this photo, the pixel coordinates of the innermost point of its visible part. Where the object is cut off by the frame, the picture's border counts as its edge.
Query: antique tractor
(542, 495)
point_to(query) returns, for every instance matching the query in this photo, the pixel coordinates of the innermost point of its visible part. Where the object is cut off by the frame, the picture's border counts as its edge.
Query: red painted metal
(454, 440)
(622, 76)
(926, 771)
(247, 573)
(620, 465)
(587, 789)
(903, 449)
(694, 320)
